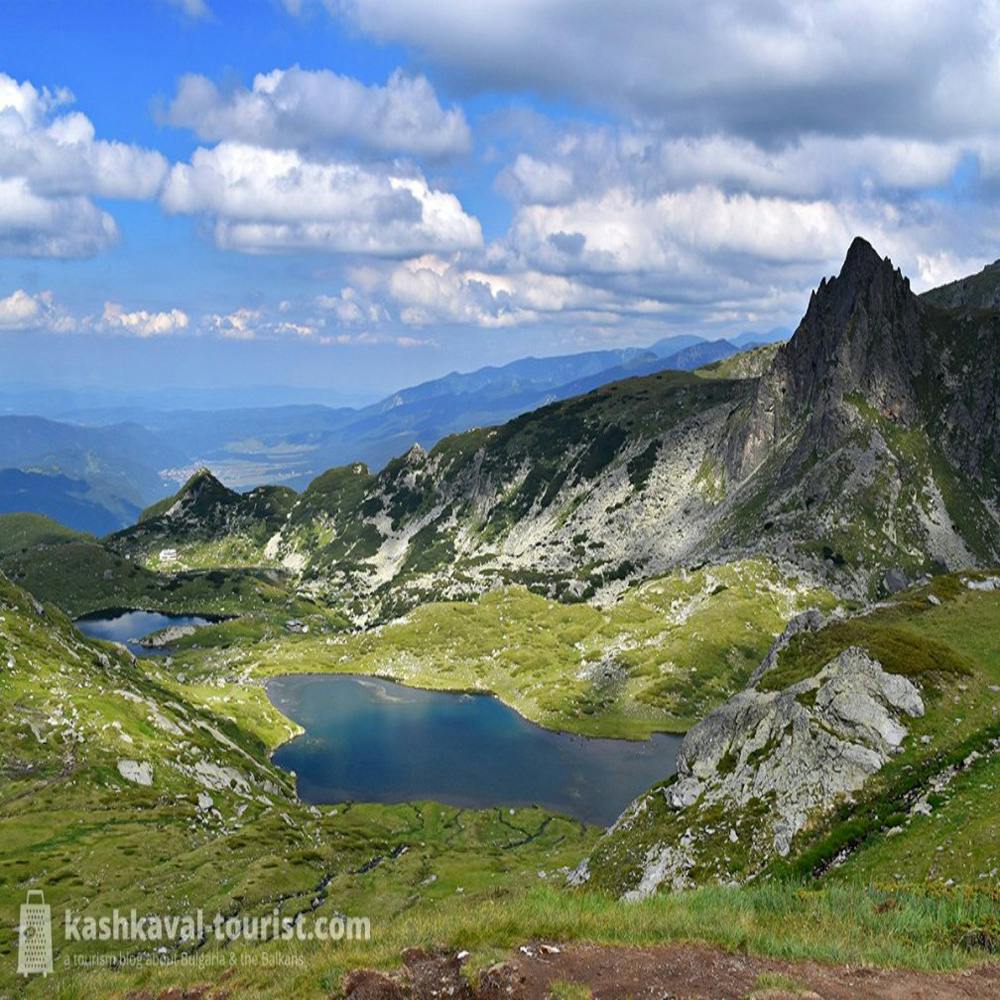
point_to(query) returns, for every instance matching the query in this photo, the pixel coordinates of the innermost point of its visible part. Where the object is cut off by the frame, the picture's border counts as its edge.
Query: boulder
(140, 772)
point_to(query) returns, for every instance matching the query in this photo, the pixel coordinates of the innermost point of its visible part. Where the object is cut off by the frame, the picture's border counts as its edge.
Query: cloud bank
(52, 166)
(265, 201)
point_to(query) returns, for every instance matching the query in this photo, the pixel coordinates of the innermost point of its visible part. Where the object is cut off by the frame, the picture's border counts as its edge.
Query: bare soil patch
(669, 972)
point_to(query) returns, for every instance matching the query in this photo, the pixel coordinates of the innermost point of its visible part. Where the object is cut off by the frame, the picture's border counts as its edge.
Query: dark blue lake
(371, 740)
(127, 627)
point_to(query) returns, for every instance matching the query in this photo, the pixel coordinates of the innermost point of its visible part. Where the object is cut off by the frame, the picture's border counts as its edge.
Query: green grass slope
(74, 826)
(82, 577)
(214, 825)
(19, 532)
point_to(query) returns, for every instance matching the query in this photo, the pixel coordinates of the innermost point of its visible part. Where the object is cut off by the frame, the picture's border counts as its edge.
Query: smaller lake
(127, 627)
(371, 740)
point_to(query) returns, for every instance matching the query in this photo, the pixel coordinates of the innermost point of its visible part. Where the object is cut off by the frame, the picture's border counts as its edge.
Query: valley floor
(149, 784)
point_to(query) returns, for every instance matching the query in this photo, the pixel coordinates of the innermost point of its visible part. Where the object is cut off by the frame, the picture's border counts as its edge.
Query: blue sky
(358, 194)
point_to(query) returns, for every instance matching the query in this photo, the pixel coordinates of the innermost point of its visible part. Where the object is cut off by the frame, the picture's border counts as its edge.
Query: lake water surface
(371, 740)
(127, 627)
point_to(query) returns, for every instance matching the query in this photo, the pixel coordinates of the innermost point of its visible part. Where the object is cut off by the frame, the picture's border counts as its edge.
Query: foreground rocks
(139, 772)
(754, 773)
(800, 748)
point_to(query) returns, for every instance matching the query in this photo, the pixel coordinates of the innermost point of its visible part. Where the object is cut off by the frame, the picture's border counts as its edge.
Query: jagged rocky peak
(204, 483)
(201, 493)
(202, 479)
(862, 335)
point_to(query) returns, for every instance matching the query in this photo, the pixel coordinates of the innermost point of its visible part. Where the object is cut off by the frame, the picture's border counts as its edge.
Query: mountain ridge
(136, 456)
(842, 460)
(977, 291)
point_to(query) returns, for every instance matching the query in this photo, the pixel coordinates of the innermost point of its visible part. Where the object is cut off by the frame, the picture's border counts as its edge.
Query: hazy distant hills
(292, 445)
(76, 503)
(96, 478)
(90, 478)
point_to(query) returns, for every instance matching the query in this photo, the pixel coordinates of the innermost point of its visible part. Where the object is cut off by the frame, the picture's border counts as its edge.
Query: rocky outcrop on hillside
(808, 621)
(802, 747)
(204, 509)
(756, 771)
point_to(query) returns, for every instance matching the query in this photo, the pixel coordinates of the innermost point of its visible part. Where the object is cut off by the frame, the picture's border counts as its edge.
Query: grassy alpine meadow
(657, 660)
(219, 828)
(123, 789)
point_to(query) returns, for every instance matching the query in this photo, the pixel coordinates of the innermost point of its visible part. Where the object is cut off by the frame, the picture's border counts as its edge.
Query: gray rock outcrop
(139, 772)
(785, 757)
(801, 756)
(808, 621)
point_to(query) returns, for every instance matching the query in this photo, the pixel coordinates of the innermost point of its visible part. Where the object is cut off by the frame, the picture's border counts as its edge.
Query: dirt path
(670, 972)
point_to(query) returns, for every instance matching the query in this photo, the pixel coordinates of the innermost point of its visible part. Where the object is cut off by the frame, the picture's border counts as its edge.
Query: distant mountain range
(90, 478)
(96, 478)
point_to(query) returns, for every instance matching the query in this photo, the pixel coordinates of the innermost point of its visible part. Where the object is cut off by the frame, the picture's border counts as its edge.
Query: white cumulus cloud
(583, 161)
(248, 323)
(52, 165)
(430, 290)
(142, 323)
(23, 310)
(32, 225)
(266, 200)
(620, 231)
(351, 307)
(319, 109)
(240, 324)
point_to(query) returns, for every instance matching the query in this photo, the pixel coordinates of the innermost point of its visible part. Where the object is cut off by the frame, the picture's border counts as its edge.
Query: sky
(354, 195)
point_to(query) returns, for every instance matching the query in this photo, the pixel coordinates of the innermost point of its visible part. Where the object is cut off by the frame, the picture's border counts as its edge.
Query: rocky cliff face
(874, 432)
(862, 334)
(576, 499)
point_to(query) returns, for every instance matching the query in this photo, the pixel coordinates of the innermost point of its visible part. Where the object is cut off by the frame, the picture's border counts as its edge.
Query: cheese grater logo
(34, 954)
